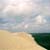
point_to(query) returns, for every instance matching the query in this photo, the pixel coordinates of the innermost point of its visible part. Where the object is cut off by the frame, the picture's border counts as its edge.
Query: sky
(25, 15)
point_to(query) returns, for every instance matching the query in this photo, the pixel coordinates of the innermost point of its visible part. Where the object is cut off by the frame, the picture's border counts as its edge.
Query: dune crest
(17, 41)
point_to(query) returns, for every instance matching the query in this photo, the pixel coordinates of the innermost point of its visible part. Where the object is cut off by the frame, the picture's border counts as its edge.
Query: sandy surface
(17, 41)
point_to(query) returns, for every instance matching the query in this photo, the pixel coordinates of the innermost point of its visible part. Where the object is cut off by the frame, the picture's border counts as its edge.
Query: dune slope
(17, 41)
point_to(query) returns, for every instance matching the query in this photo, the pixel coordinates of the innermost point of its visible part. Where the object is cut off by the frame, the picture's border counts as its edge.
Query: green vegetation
(42, 39)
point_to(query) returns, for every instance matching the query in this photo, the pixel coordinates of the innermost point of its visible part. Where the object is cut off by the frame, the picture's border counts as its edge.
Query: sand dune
(17, 41)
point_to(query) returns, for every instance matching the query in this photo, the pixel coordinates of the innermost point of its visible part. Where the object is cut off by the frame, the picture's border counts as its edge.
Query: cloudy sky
(25, 15)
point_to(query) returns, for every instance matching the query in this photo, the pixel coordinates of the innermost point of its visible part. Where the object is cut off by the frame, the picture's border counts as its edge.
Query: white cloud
(26, 26)
(40, 20)
(24, 7)
(45, 10)
(18, 8)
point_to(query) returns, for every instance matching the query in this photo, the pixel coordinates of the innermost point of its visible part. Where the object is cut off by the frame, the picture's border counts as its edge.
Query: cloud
(28, 25)
(25, 15)
(15, 8)
(40, 20)
(25, 7)
(45, 7)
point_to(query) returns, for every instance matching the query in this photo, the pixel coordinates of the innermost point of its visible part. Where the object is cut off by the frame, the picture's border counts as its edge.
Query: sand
(18, 41)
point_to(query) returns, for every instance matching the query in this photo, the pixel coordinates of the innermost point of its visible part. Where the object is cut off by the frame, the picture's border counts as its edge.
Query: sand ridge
(17, 41)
